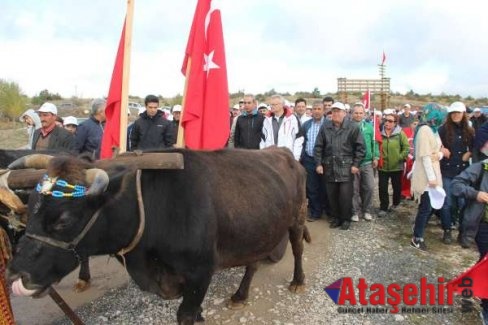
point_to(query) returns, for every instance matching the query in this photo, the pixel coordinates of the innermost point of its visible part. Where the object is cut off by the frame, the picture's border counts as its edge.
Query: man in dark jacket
(152, 130)
(249, 125)
(338, 152)
(89, 133)
(51, 136)
(477, 119)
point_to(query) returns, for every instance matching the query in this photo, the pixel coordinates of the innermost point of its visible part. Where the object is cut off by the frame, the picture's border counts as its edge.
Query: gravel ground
(378, 251)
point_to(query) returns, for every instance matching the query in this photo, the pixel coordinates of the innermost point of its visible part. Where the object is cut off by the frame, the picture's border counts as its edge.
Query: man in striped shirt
(317, 198)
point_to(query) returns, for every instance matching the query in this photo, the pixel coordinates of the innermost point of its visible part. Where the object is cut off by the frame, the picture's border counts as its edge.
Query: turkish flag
(111, 133)
(206, 106)
(367, 99)
(474, 279)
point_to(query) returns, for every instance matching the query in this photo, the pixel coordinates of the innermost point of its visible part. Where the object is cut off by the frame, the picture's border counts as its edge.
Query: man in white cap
(338, 152)
(176, 119)
(477, 119)
(51, 136)
(70, 123)
(406, 118)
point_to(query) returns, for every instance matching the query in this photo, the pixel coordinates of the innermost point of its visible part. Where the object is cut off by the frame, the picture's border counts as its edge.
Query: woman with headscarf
(426, 172)
(33, 122)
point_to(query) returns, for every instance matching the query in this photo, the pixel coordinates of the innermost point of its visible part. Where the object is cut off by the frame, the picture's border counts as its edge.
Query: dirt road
(107, 275)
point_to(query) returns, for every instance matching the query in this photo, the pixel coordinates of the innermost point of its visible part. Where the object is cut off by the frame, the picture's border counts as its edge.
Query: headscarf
(433, 115)
(30, 129)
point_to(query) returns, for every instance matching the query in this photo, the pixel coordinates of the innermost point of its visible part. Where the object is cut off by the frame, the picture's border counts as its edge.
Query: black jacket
(248, 131)
(152, 132)
(452, 166)
(338, 150)
(59, 139)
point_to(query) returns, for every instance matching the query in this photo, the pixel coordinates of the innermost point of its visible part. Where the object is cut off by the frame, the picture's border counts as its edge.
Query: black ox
(7, 157)
(224, 209)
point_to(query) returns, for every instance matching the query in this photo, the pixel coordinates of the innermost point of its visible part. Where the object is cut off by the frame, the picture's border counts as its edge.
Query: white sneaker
(355, 218)
(368, 216)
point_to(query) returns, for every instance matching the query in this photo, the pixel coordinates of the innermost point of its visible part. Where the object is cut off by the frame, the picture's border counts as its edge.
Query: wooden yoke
(146, 160)
(28, 178)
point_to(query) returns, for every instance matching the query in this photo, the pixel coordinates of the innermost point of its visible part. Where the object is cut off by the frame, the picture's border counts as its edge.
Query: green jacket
(395, 149)
(372, 148)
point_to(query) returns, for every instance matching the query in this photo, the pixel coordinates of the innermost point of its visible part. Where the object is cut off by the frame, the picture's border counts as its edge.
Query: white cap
(407, 106)
(389, 111)
(456, 107)
(477, 109)
(70, 120)
(177, 108)
(338, 105)
(236, 106)
(263, 105)
(48, 108)
(347, 107)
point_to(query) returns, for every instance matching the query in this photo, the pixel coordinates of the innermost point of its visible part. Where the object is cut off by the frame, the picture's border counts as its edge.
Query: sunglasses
(390, 121)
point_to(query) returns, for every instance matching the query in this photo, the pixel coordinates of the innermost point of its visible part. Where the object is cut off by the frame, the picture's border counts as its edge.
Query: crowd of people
(431, 154)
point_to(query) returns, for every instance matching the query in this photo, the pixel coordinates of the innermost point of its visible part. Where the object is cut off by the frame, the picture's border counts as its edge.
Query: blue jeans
(423, 214)
(316, 194)
(452, 204)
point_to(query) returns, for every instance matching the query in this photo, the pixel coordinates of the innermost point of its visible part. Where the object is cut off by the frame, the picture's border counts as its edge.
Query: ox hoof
(297, 288)
(81, 285)
(236, 305)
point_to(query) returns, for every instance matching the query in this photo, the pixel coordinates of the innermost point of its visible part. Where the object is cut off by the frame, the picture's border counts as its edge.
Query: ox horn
(97, 179)
(36, 161)
(8, 197)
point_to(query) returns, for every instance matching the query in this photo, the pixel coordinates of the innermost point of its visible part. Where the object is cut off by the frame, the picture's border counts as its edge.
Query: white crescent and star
(209, 63)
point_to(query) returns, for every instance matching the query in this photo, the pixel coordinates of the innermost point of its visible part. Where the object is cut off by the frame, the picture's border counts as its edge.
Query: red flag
(367, 99)
(383, 59)
(206, 108)
(111, 133)
(474, 279)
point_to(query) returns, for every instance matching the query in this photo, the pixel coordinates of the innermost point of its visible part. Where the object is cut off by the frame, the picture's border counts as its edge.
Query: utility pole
(383, 94)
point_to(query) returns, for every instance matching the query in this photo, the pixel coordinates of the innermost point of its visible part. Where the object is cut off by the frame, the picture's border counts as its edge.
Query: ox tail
(306, 235)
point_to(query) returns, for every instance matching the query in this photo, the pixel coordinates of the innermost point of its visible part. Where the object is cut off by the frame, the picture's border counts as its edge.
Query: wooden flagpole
(124, 100)
(180, 142)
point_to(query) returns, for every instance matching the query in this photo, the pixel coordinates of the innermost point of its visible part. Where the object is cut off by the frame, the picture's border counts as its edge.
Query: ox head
(64, 202)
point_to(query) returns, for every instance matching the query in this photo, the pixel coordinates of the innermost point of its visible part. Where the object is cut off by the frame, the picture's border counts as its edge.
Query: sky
(69, 46)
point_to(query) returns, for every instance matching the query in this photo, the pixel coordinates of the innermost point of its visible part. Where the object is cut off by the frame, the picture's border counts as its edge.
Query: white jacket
(287, 134)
